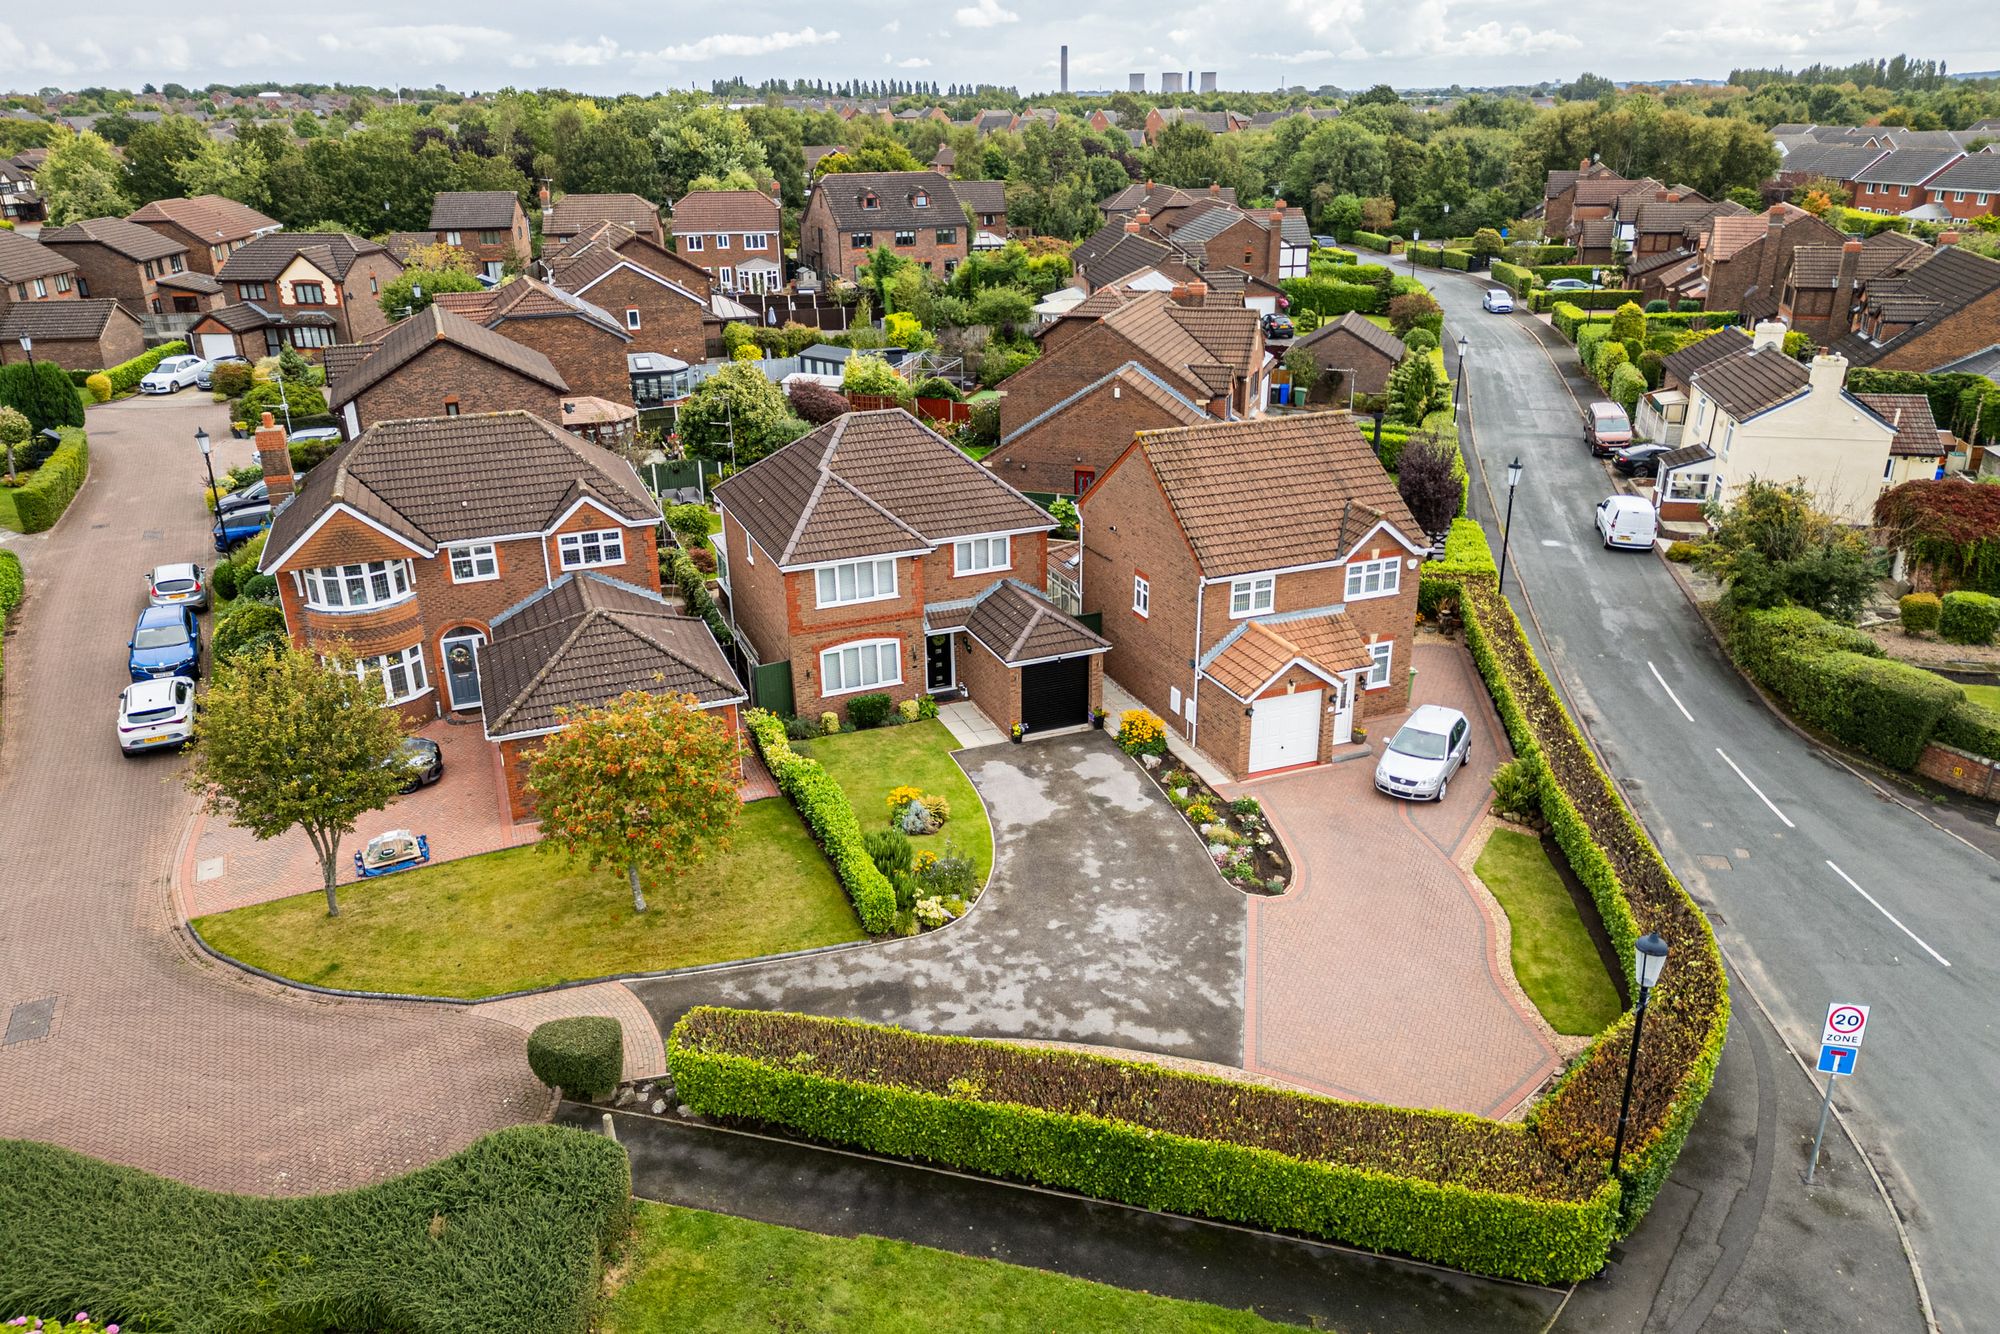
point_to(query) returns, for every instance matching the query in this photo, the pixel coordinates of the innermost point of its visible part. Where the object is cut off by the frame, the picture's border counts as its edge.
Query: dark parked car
(240, 525)
(422, 759)
(165, 643)
(1639, 460)
(1277, 326)
(257, 493)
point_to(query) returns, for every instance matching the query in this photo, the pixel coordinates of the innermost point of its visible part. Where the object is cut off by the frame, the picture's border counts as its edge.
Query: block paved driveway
(152, 1055)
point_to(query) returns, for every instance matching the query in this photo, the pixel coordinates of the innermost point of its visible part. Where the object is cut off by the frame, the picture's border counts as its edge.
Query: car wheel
(1443, 788)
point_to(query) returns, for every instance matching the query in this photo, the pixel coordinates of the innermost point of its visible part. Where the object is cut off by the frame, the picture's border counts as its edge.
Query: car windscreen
(174, 586)
(160, 636)
(1419, 744)
(1612, 419)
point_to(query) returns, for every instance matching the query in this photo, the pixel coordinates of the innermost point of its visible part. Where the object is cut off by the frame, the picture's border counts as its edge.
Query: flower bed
(1239, 838)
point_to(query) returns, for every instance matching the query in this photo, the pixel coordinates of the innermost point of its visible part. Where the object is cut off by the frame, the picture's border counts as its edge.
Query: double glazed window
(855, 581)
(474, 564)
(861, 240)
(755, 240)
(250, 291)
(979, 555)
(1248, 597)
(357, 587)
(947, 236)
(1374, 578)
(695, 242)
(906, 238)
(312, 335)
(1142, 595)
(581, 551)
(1378, 671)
(863, 666)
(308, 294)
(401, 673)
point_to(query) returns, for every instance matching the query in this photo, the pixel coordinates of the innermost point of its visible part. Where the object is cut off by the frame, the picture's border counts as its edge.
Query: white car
(1627, 521)
(1498, 300)
(156, 714)
(172, 375)
(1426, 751)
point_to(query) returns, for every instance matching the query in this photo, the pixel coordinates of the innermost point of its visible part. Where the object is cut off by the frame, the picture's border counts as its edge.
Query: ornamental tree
(646, 783)
(1427, 479)
(737, 415)
(14, 432)
(289, 739)
(399, 295)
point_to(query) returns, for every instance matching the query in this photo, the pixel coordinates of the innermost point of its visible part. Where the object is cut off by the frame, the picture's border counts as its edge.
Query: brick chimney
(1583, 165)
(1767, 258)
(1215, 189)
(1143, 218)
(1947, 239)
(1672, 196)
(1132, 226)
(546, 209)
(1843, 289)
(274, 455)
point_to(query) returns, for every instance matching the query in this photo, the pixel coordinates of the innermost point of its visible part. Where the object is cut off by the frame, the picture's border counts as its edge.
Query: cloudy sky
(595, 46)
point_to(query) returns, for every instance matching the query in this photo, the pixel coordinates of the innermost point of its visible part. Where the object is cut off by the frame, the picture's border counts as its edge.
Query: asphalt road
(1820, 888)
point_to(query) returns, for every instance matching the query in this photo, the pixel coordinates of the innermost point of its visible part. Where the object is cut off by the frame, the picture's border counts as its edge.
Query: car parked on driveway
(1570, 285)
(177, 586)
(240, 525)
(1627, 521)
(421, 759)
(156, 714)
(1640, 460)
(1498, 300)
(172, 375)
(165, 643)
(257, 493)
(1606, 428)
(1277, 326)
(206, 378)
(1426, 751)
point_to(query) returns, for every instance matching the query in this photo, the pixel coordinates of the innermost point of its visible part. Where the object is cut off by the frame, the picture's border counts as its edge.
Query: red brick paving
(1377, 975)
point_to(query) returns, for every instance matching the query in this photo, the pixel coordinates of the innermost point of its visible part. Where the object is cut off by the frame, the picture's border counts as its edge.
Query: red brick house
(1899, 181)
(1745, 260)
(119, 259)
(735, 236)
(1824, 284)
(1970, 187)
(592, 243)
(1928, 315)
(985, 203)
(75, 335)
(916, 214)
(440, 364)
(1358, 350)
(1069, 444)
(874, 556)
(30, 271)
(1161, 203)
(1258, 583)
(309, 289)
(212, 227)
(658, 310)
(586, 345)
(488, 225)
(573, 215)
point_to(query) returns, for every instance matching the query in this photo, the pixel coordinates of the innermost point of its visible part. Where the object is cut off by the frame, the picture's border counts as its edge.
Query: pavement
(1821, 887)
(117, 1038)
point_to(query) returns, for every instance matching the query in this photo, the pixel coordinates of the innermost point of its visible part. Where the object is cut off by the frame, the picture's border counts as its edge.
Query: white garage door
(217, 345)
(1284, 730)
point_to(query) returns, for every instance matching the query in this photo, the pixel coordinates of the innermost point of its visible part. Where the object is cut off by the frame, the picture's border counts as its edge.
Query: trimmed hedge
(1387, 1178)
(125, 376)
(1549, 273)
(508, 1236)
(1373, 241)
(1543, 301)
(48, 492)
(1513, 277)
(1968, 618)
(1459, 261)
(13, 587)
(1331, 297)
(693, 585)
(1532, 256)
(1971, 727)
(1627, 387)
(583, 1055)
(1918, 612)
(827, 812)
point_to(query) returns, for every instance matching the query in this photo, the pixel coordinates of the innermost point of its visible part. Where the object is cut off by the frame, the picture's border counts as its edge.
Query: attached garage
(1023, 659)
(1284, 730)
(1056, 694)
(1289, 687)
(213, 345)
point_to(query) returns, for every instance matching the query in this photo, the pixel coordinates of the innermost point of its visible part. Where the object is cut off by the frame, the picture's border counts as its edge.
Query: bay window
(980, 555)
(864, 666)
(855, 581)
(401, 673)
(1685, 484)
(1374, 578)
(357, 587)
(583, 551)
(1248, 597)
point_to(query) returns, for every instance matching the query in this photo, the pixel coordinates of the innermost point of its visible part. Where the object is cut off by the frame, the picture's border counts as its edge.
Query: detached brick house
(309, 289)
(1927, 315)
(212, 227)
(586, 345)
(75, 335)
(31, 271)
(1745, 260)
(985, 202)
(916, 214)
(735, 236)
(1069, 444)
(1258, 583)
(119, 259)
(593, 242)
(573, 215)
(658, 310)
(874, 556)
(440, 364)
(1970, 187)
(488, 225)
(1359, 351)
(1825, 282)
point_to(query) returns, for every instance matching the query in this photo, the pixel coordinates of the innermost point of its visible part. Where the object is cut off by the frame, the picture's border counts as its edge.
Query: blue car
(241, 524)
(167, 642)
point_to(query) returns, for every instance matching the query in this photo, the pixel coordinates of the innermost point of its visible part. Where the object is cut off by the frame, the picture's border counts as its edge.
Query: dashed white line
(1754, 788)
(1670, 693)
(1886, 913)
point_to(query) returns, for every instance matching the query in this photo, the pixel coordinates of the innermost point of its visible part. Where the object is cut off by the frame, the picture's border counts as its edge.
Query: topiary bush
(1919, 612)
(584, 1055)
(1680, 553)
(259, 586)
(689, 523)
(1968, 618)
(99, 386)
(870, 710)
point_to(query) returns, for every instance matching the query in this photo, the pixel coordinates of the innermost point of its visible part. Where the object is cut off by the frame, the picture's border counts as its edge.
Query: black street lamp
(1507, 529)
(1464, 344)
(28, 346)
(1649, 959)
(201, 442)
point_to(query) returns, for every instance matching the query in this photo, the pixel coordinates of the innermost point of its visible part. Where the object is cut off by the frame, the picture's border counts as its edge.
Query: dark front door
(939, 672)
(1056, 694)
(461, 667)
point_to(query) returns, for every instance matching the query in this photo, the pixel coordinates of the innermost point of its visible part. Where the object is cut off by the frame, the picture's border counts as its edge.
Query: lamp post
(1507, 529)
(1416, 235)
(28, 346)
(201, 443)
(1464, 345)
(1649, 959)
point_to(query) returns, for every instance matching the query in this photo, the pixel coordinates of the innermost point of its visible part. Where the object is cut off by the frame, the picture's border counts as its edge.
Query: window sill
(318, 610)
(566, 566)
(857, 690)
(1370, 597)
(392, 703)
(996, 570)
(854, 602)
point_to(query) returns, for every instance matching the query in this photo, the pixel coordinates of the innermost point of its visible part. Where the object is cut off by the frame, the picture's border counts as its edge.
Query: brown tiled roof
(895, 194)
(1133, 376)
(1595, 233)
(1153, 198)
(215, 218)
(401, 244)
(473, 210)
(1910, 414)
(1749, 380)
(1919, 296)
(575, 213)
(1203, 345)
(187, 280)
(586, 640)
(869, 484)
(1363, 328)
(725, 211)
(127, 239)
(1124, 253)
(1257, 651)
(982, 196)
(1679, 218)
(56, 321)
(1274, 491)
(21, 259)
(1021, 625)
(263, 259)
(578, 261)
(525, 298)
(337, 361)
(435, 480)
(244, 316)
(434, 324)
(1557, 182)
(1599, 191)
(814, 152)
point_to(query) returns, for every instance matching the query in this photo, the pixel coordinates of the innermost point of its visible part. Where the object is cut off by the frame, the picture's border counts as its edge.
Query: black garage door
(1056, 694)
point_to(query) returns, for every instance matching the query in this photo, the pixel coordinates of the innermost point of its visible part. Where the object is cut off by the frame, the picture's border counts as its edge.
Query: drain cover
(153, 535)
(29, 1020)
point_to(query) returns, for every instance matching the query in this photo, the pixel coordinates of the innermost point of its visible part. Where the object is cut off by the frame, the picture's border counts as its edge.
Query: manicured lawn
(1989, 696)
(10, 518)
(690, 1272)
(868, 764)
(520, 918)
(1554, 957)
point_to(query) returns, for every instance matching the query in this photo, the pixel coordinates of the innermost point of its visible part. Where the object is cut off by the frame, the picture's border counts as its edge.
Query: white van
(1626, 521)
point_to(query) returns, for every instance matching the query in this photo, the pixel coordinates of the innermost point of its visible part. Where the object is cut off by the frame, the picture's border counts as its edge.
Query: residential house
(1968, 188)
(1258, 583)
(1940, 310)
(733, 235)
(586, 344)
(440, 364)
(944, 160)
(663, 309)
(20, 201)
(1356, 350)
(76, 335)
(1223, 235)
(589, 244)
(985, 205)
(1121, 248)
(875, 557)
(1896, 181)
(1071, 443)
(402, 245)
(1813, 161)
(488, 225)
(1561, 196)
(814, 152)
(986, 122)
(310, 289)
(212, 227)
(1162, 204)
(915, 214)
(31, 271)
(1589, 204)
(1920, 449)
(1103, 118)
(1746, 259)
(1215, 122)
(1825, 282)
(119, 259)
(574, 214)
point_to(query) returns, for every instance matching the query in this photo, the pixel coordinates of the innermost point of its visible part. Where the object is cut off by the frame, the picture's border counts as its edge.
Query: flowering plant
(80, 1323)
(1141, 732)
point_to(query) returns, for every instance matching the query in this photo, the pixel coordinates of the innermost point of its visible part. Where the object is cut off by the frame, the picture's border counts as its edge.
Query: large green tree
(737, 415)
(81, 178)
(400, 298)
(153, 155)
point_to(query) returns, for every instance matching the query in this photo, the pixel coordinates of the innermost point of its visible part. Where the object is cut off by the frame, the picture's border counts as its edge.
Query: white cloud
(586, 54)
(422, 44)
(985, 14)
(737, 44)
(37, 57)
(1315, 56)
(914, 62)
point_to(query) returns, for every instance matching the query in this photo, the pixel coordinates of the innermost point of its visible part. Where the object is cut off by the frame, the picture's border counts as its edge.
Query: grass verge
(1554, 957)
(1985, 696)
(690, 1272)
(519, 918)
(868, 764)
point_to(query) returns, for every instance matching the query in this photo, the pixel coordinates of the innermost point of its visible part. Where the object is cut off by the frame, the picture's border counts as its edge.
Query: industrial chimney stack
(1065, 69)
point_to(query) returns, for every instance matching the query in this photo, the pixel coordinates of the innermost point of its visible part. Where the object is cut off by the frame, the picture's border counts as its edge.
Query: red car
(1606, 428)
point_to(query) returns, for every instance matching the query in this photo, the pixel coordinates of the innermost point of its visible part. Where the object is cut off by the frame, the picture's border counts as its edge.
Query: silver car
(182, 585)
(1426, 751)
(156, 714)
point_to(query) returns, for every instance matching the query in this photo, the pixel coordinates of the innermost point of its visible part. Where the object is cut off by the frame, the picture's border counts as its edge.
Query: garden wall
(1961, 770)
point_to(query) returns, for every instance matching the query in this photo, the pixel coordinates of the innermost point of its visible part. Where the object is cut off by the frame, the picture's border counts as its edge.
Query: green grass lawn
(690, 1272)
(10, 518)
(868, 764)
(1554, 957)
(1988, 696)
(520, 918)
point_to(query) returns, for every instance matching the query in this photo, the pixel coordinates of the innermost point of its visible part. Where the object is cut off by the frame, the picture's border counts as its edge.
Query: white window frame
(722, 240)
(1980, 198)
(317, 582)
(1687, 484)
(756, 240)
(481, 561)
(1728, 438)
(826, 582)
(1384, 657)
(1388, 572)
(1142, 595)
(571, 548)
(1247, 591)
(966, 554)
(828, 689)
(453, 238)
(694, 241)
(408, 662)
(727, 277)
(631, 317)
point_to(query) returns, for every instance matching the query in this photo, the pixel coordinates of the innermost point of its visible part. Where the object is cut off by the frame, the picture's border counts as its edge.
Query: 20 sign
(1845, 1025)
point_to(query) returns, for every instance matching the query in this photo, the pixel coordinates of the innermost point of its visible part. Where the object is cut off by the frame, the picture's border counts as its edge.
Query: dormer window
(921, 199)
(870, 201)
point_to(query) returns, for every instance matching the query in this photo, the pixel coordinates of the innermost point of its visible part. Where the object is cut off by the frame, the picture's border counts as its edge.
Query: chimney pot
(274, 456)
(1851, 248)
(1583, 165)
(1947, 238)
(1132, 226)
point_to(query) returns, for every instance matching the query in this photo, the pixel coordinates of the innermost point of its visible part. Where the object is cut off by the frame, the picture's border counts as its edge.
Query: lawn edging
(830, 816)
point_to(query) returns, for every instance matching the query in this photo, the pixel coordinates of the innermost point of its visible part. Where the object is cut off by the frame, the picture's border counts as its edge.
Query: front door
(940, 671)
(1343, 710)
(461, 667)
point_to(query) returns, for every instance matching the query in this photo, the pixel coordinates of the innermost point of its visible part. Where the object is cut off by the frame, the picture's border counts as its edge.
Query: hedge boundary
(1380, 244)
(48, 491)
(508, 1236)
(827, 812)
(13, 588)
(125, 376)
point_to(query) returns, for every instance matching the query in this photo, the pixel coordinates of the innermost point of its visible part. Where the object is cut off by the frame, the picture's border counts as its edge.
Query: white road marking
(1550, 542)
(1670, 693)
(1891, 916)
(1754, 788)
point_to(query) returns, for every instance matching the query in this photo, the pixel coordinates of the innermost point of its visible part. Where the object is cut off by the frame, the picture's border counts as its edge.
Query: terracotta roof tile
(1910, 414)
(725, 211)
(264, 258)
(1361, 327)
(1258, 651)
(215, 218)
(1021, 625)
(576, 213)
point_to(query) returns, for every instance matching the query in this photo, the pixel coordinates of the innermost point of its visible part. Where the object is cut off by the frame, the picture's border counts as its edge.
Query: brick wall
(1225, 728)
(1127, 529)
(123, 339)
(110, 274)
(1961, 770)
(1244, 245)
(1086, 356)
(360, 316)
(1089, 435)
(10, 292)
(442, 374)
(1028, 554)
(587, 355)
(668, 321)
(757, 595)
(992, 685)
(814, 629)
(1965, 331)
(830, 251)
(1342, 351)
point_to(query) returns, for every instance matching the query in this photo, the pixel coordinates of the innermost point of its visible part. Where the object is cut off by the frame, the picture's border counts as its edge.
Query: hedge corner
(584, 1056)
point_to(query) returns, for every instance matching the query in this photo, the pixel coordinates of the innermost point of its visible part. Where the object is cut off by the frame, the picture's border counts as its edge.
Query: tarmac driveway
(1104, 923)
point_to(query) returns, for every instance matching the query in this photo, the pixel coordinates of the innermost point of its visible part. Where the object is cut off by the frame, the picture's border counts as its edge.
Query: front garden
(1553, 956)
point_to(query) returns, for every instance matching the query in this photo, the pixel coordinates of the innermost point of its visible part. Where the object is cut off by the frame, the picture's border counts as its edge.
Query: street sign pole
(1825, 1106)
(1839, 1042)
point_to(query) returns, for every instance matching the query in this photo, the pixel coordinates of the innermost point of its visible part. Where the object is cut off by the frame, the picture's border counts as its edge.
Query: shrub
(936, 386)
(1656, 307)
(915, 820)
(125, 376)
(1141, 732)
(258, 585)
(41, 392)
(1971, 727)
(866, 711)
(1968, 618)
(938, 806)
(902, 796)
(1372, 241)
(824, 808)
(1653, 365)
(1420, 340)
(1628, 386)
(99, 386)
(1517, 787)
(1919, 612)
(693, 587)
(1246, 806)
(246, 627)
(816, 403)
(1416, 310)
(689, 523)
(13, 587)
(829, 723)
(223, 579)
(1330, 298)
(1628, 321)
(927, 708)
(46, 494)
(890, 850)
(1680, 553)
(272, 397)
(232, 379)
(1200, 811)
(583, 1055)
